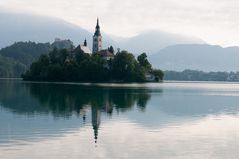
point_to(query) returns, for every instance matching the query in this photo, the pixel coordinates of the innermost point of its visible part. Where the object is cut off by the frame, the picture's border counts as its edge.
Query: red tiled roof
(106, 53)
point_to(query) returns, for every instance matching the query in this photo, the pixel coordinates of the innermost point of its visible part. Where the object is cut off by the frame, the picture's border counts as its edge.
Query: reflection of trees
(65, 99)
(15, 97)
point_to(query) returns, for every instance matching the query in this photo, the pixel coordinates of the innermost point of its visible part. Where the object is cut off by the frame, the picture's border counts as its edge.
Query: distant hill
(17, 27)
(192, 75)
(25, 52)
(197, 57)
(10, 68)
(153, 41)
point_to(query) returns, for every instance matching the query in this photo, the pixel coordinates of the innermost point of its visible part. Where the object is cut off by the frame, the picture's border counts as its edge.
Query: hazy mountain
(153, 41)
(197, 57)
(24, 27)
(25, 52)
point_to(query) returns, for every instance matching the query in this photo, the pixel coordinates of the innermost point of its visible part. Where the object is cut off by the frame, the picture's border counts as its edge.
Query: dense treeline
(15, 59)
(63, 65)
(192, 75)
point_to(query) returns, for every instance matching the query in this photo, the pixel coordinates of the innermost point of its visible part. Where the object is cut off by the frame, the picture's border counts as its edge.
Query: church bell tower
(97, 39)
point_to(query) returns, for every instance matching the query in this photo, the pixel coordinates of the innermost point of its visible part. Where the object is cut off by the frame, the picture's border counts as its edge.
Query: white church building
(97, 45)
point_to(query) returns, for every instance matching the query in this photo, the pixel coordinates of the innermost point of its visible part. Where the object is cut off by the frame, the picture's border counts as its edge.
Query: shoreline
(118, 83)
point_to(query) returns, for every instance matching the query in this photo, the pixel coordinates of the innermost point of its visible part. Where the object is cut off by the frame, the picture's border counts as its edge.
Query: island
(80, 64)
(77, 66)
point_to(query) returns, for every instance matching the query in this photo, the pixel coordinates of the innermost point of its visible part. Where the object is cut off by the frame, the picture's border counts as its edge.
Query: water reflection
(168, 120)
(65, 101)
(62, 100)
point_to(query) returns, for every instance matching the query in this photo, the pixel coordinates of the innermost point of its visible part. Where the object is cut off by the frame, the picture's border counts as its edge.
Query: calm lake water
(119, 121)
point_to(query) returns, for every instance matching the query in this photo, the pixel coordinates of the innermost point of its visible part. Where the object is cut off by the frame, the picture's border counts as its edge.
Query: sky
(214, 21)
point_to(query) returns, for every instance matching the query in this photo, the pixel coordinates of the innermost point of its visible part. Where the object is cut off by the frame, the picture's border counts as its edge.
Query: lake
(182, 120)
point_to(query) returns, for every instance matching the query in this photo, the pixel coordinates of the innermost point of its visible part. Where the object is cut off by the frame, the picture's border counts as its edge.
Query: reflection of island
(64, 100)
(74, 101)
(67, 100)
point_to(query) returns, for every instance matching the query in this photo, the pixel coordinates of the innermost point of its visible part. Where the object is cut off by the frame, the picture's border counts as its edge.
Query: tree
(158, 74)
(111, 49)
(53, 55)
(44, 60)
(124, 67)
(81, 56)
(63, 54)
(143, 61)
(55, 73)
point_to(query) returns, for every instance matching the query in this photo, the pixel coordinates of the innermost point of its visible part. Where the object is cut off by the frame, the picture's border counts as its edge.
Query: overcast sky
(215, 21)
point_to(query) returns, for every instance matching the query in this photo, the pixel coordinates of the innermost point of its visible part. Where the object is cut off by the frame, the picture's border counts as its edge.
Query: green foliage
(9, 68)
(143, 61)
(53, 55)
(159, 74)
(81, 56)
(17, 57)
(63, 65)
(123, 66)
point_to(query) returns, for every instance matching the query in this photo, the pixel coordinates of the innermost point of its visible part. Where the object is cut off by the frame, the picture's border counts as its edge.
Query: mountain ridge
(203, 57)
(160, 40)
(17, 27)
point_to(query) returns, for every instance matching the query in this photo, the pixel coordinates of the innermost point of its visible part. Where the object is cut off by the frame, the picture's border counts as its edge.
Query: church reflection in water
(66, 100)
(95, 121)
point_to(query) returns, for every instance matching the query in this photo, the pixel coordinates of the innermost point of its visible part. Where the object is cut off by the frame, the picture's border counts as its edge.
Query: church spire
(97, 28)
(97, 38)
(97, 25)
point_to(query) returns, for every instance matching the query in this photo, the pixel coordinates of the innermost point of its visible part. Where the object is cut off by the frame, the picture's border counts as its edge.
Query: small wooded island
(81, 65)
(62, 65)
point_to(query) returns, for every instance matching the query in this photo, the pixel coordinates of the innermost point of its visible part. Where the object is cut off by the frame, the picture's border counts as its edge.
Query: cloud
(215, 21)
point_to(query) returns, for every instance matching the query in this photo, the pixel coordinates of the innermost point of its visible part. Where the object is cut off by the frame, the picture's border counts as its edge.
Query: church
(97, 45)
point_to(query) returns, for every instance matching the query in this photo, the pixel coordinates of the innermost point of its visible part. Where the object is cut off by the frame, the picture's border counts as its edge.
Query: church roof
(106, 53)
(84, 48)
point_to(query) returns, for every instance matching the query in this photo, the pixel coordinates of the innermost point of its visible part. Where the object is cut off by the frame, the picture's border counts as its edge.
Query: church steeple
(97, 29)
(97, 23)
(97, 38)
